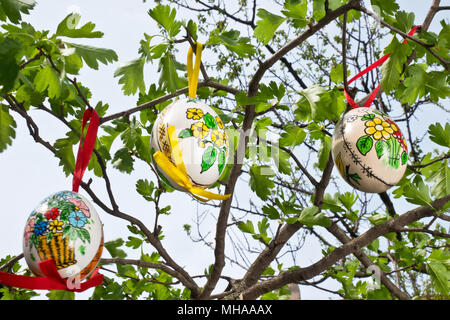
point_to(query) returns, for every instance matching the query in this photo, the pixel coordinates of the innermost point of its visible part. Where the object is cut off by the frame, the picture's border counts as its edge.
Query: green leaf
(165, 17)
(131, 75)
(318, 9)
(267, 25)
(92, 55)
(337, 73)
(260, 180)
(296, 10)
(209, 157)
(381, 147)
(13, 8)
(441, 179)
(415, 83)
(7, 125)
(439, 134)
(64, 151)
(60, 295)
(246, 227)
(169, 79)
(67, 28)
(385, 7)
(222, 160)
(210, 121)
(113, 248)
(232, 41)
(192, 28)
(271, 212)
(392, 68)
(419, 194)
(123, 161)
(293, 136)
(145, 189)
(133, 242)
(48, 78)
(437, 85)
(307, 107)
(404, 20)
(131, 134)
(440, 276)
(378, 218)
(84, 235)
(364, 144)
(324, 153)
(186, 133)
(404, 157)
(310, 217)
(9, 67)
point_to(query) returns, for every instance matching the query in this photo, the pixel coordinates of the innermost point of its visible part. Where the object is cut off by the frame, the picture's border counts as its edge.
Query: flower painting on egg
(211, 135)
(369, 150)
(52, 232)
(384, 134)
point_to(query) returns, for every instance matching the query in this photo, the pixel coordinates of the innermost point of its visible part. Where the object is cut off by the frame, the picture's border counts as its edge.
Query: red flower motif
(398, 134)
(53, 213)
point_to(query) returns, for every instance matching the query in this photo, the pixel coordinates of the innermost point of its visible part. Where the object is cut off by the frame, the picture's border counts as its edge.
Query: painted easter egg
(66, 228)
(369, 150)
(201, 137)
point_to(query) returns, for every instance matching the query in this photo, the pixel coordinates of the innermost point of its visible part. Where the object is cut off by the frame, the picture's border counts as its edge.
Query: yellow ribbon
(177, 172)
(193, 71)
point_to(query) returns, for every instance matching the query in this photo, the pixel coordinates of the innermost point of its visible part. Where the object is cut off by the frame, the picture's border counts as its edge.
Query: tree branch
(352, 246)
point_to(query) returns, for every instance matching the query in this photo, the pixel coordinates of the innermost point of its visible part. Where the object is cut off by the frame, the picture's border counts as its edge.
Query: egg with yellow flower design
(201, 139)
(64, 228)
(369, 150)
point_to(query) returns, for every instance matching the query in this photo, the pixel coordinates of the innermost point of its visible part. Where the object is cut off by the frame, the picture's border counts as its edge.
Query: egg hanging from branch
(65, 228)
(369, 150)
(191, 135)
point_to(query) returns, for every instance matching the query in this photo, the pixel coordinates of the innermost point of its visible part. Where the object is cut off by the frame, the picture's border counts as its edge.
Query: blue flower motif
(40, 228)
(77, 219)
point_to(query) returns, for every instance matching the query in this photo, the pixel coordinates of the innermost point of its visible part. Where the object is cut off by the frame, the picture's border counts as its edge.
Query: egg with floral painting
(369, 150)
(201, 139)
(65, 228)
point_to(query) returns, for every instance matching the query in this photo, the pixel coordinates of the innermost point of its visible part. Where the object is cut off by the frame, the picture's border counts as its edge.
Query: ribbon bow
(51, 281)
(177, 171)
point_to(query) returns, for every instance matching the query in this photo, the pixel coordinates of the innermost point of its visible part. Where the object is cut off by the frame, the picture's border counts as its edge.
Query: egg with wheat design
(65, 228)
(201, 137)
(369, 150)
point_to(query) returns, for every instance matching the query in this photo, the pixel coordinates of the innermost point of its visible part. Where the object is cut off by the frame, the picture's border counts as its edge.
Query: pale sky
(29, 173)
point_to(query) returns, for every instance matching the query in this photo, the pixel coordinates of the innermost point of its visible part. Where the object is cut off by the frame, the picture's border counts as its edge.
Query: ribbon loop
(194, 70)
(86, 146)
(177, 172)
(374, 65)
(51, 281)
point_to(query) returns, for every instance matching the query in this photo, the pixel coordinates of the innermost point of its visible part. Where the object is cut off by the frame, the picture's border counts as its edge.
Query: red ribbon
(86, 147)
(376, 64)
(51, 281)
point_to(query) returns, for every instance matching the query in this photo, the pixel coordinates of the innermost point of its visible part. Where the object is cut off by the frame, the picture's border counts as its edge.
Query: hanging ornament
(189, 144)
(63, 236)
(368, 148)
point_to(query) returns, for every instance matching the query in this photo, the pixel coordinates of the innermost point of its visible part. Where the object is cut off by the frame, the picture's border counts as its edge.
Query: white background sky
(29, 173)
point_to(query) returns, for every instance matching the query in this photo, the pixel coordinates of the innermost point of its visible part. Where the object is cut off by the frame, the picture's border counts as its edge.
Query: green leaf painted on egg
(209, 157)
(186, 133)
(221, 161)
(210, 121)
(404, 157)
(381, 147)
(364, 144)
